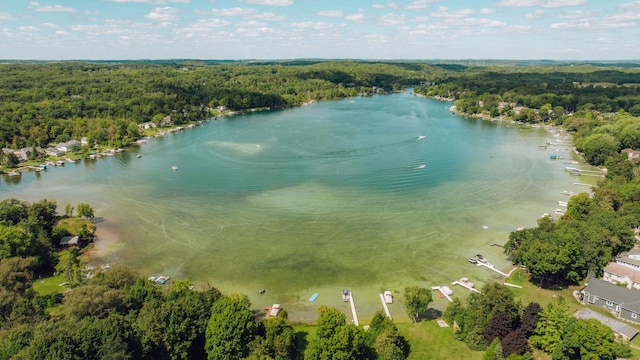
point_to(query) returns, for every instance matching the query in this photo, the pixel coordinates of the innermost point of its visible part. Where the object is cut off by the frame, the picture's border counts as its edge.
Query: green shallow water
(340, 194)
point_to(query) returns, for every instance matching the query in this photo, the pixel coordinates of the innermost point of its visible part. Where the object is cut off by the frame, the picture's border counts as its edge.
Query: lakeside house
(621, 302)
(616, 273)
(624, 270)
(631, 154)
(69, 146)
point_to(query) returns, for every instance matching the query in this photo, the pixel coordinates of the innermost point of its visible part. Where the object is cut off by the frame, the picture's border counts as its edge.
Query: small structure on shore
(275, 310)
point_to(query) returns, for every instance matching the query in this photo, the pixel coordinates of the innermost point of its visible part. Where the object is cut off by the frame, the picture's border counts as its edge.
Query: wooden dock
(384, 305)
(491, 266)
(444, 293)
(353, 309)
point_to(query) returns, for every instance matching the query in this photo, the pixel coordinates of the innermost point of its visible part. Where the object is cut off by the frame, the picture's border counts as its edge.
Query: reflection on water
(374, 195)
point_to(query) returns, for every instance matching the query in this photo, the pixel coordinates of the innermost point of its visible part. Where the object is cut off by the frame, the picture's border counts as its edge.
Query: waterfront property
(334, 185)
(621, 302)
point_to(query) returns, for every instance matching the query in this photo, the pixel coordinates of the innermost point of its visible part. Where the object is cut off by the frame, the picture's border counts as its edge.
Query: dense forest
(55, 102)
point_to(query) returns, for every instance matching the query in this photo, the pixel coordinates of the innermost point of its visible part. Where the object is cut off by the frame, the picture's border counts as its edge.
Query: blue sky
(287, 29)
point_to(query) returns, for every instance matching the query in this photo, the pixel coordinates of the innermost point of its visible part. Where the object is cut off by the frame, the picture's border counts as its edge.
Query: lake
(366, 194)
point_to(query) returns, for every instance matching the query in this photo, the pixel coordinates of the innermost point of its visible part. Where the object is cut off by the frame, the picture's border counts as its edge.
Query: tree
(231, 328)
(597, 147)
(94, 300)
(68, 210)
(276, 339)
(416, 301)
(499, 326)
(586, 339)
(174, 327)
(85, 210)
(530, 317)
(548, 334)
(494, 351)
(71, 267)
(516, 342)
(335, 339)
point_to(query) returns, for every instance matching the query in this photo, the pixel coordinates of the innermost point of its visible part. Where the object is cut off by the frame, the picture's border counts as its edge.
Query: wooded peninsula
(114, 313)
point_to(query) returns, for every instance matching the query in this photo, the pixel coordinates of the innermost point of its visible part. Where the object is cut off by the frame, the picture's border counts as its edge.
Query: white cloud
(561, 3)
(154, 2)
(543, 3)
(390, 5)
(5, 16)
(320, 25)
(236, 11)
(419, 4)
(572, 25)
(391, 20)
(487, 11)
(269, 2)
(28, 28)
(267, 16)
(49, 8)
(163, 14)
(331, 13)
(355, 17)
(575, 15)
(62, 33)
(535, 15)
(443, 12)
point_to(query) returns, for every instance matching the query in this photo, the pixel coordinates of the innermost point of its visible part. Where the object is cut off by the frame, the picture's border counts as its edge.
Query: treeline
(54, 102)
(493, 321)
(538, 93)
(113, 313)
(596, 228)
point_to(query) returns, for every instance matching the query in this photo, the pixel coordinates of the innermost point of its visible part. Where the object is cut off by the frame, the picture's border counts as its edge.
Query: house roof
(621, 270)
(627, 299)
(625, 258)
(618, 327)
(69, 240)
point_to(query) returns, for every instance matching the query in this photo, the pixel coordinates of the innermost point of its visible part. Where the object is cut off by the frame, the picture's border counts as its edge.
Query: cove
(366, 194)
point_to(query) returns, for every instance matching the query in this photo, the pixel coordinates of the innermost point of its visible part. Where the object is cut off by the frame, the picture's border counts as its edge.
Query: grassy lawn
(544, 297)
(50, 285)
(74, 224)
(429, 341)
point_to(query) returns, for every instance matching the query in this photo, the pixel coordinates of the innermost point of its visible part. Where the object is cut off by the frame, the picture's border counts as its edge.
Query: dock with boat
(465, 283)
(479, 260)
(386, 298)
(348, 296)
(445, 291)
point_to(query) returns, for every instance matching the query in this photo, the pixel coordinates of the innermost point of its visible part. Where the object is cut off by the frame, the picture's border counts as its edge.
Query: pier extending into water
(353, 309)
(384, 305)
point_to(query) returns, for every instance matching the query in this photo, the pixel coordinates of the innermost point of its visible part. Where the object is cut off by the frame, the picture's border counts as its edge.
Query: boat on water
(174, 168)
(388, 297)
(568, 193)
(421, 166)
(562, 203)
(420, 137)
(139, 156)
(346, 295)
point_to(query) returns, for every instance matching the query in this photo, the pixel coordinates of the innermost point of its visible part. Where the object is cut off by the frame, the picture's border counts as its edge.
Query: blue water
(370, 194)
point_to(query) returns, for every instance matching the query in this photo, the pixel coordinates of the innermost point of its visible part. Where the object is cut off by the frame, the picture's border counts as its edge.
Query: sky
(327, 29)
